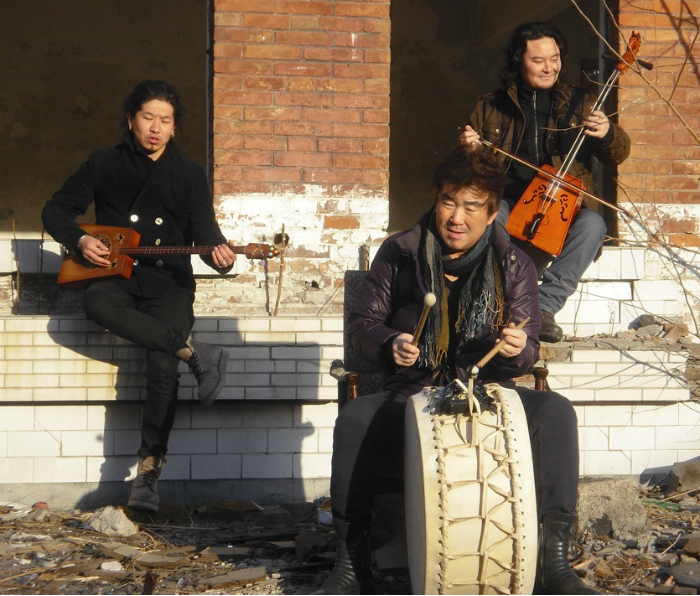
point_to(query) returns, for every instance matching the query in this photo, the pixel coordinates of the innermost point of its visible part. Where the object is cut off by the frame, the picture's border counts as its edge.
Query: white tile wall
(65, 386)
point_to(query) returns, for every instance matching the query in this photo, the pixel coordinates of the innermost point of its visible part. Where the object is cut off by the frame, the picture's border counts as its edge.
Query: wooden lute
(123, 244)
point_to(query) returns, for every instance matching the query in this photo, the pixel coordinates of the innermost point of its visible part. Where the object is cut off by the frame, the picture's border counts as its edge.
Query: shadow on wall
(255, 441)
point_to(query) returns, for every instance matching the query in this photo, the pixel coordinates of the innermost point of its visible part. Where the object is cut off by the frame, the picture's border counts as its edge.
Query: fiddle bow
(543, 215)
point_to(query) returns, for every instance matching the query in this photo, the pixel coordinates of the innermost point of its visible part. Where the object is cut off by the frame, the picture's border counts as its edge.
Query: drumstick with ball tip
(493, 351)
(428, 303)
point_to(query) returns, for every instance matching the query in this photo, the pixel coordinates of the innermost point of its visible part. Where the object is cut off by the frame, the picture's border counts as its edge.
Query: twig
(279, 283)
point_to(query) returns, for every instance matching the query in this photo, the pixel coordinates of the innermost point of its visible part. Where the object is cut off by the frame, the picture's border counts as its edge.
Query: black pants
(368, 452)
(161, 324)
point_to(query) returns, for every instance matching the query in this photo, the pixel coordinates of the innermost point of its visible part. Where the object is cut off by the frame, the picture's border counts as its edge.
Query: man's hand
(93, 250)
(470, 138)
(404, 352)
(512, 341)
(223, 256)
(596, 125)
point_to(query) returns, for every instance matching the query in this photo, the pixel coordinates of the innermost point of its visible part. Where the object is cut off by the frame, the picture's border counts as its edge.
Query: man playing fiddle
(536, 117)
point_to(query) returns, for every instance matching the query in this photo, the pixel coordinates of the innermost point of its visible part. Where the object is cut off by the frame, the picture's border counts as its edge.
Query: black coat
(391, 301)
(168, 202)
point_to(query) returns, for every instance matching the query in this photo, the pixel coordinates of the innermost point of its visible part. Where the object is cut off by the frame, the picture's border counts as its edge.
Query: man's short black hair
(462, 168)
(518, 44)
(148, 90)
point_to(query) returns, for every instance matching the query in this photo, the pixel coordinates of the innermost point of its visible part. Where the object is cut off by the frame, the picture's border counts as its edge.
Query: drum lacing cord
(503, 436)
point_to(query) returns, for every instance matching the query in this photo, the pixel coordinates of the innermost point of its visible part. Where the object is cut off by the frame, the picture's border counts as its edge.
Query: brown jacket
(499, 119)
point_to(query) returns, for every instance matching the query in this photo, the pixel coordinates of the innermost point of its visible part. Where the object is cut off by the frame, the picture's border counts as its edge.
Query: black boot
(550, 331)
(208, 365)
(554, 574)
(144, 491)
(351, 574)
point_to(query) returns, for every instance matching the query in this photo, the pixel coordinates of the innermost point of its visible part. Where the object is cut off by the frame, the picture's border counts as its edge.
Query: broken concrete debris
(630, 539)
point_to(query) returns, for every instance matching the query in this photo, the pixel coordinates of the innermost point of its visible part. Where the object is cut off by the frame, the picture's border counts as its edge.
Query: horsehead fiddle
(530, 219)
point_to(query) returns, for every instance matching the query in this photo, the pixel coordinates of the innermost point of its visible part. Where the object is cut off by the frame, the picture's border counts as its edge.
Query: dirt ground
(238, 547)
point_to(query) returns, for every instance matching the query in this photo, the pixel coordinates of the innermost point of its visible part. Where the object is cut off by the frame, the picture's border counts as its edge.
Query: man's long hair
(462, 168)
(518, 43)
(148, 90)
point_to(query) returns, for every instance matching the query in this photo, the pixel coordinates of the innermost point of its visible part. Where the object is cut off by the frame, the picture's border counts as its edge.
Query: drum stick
(493, 351)
(428, 303)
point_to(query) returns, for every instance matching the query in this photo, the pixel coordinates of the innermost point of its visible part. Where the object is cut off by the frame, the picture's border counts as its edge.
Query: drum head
(471, 513)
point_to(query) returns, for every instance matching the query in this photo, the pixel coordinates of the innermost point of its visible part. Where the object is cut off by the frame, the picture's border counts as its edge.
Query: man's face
(541, 63)
(153, 126)
(461, 218)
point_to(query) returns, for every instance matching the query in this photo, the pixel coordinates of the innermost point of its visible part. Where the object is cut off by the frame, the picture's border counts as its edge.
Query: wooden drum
(471, 512)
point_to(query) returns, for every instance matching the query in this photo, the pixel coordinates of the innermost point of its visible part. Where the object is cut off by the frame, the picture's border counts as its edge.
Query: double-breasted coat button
(159, 221)
(136, 262)
(134, 217)
(157, 241)
(159, 263)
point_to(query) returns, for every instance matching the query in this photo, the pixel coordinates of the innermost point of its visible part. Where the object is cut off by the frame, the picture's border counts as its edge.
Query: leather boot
(208, 365)
(550, 331)
(144, 491)
(553, 571)
(351, 574)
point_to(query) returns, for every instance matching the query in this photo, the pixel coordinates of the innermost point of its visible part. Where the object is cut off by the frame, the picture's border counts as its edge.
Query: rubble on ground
(630, 540)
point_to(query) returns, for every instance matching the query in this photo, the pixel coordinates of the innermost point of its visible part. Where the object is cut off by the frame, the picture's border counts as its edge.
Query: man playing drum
(484, 286)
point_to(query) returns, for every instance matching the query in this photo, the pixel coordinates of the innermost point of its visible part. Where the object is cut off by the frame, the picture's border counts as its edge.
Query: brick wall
(301, 132)
(659, 111)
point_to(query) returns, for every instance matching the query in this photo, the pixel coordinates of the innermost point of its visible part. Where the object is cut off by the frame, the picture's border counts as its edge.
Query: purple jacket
(391, 301)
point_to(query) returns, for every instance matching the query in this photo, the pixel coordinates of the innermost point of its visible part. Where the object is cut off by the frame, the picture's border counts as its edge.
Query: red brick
(361, 161)
(227, 50)
(243, 158)
(375, 131)
(239, 127)
(377, 25)
(306, 22)
(301, 69)
(242, 67)
(672, 182)
(303, 7)
(308, 160)
(340, 222)
(228, 19)
(362, 40)
(244, 36)
(377, 179)
(362, 9)
(378, 56)
(376, 147)
(233, 143)
(378, 87)
(361, 71)
(304, 38)
(688, 240)
(301, 84)
(332, 115)
(227, 112)
(317, 176)
(271, 21)
(362, 101)
(276, 52)
(269, 83)
(243, 6)
(376, 116)
(304, 144)
(249, 98)
(273, 113)
(333, 54)
(228, 82)
(303, 129)
(340, 145)
(340, 85)
(341, 24)
(272, 175)
(303, 99)
(267, 143)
